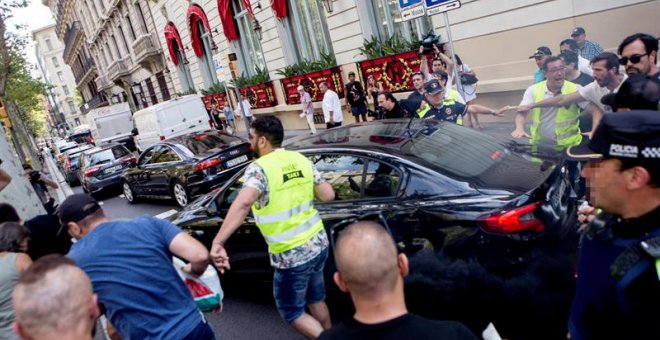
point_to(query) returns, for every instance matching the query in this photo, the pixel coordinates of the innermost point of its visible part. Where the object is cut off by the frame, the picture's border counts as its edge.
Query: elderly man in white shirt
(331, 107)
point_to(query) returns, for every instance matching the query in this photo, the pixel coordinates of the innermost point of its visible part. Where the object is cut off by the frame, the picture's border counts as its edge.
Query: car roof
(79, 149)
(179, 139)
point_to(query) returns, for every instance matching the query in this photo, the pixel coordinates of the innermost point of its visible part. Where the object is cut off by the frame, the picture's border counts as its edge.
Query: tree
(8, 41)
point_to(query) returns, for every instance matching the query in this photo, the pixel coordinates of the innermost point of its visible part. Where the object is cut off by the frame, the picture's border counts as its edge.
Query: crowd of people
(123, 269)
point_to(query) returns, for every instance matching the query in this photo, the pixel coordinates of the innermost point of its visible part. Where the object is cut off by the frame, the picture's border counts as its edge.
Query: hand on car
(519, 133)
(219, 257)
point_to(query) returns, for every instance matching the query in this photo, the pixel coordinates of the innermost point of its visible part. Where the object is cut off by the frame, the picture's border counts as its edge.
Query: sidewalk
(51, 170)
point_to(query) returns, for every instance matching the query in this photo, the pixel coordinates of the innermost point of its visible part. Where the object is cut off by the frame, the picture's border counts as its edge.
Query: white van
(168, 119)
(112, 124)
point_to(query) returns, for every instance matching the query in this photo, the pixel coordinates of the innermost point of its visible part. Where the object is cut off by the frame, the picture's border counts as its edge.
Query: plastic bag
(205, 289)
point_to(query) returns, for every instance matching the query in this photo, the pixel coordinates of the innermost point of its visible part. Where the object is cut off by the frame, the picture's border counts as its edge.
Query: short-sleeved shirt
(538, 76)
(229, 114)
(331, 103)
(130, 266)
(548, 114)
(594, 92)
(306, 102)
(255, 177)
(448, 113)
(247, 107)
(583, 79)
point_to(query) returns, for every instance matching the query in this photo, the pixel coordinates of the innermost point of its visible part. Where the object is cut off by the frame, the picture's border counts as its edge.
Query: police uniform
(617, 293)
(450, 110)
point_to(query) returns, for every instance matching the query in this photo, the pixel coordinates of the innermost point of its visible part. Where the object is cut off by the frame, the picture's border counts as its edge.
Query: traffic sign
(411, 9)
(439, 6)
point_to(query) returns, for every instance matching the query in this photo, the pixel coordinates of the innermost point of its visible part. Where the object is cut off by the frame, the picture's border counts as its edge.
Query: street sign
(411, 9)
(440, 6)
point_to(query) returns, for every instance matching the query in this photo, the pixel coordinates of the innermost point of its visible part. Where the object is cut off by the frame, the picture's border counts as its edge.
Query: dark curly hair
(271, 128)
(11, 235)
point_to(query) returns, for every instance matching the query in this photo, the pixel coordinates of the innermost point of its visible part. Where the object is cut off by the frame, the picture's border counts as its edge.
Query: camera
(428, 41)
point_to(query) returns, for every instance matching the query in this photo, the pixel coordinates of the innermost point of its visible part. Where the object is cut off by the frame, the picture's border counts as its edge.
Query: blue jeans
(293, 288)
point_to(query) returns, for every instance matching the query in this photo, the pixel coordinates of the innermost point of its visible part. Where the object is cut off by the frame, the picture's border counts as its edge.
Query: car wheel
(180, 194)
(128, 193)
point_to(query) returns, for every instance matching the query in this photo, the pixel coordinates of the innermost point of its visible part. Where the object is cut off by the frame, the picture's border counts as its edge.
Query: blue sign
(439, 6)
(433, 3)
(403, 4)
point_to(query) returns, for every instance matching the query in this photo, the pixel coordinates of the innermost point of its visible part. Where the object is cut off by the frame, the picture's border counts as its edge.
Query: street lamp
(328, 5)
(257, 29)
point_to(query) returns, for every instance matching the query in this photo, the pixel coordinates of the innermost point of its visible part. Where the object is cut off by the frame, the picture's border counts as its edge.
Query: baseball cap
(632, 135)
(541, 51)
(638, 92)
(76, 207)
(578, 31)
(433, 86)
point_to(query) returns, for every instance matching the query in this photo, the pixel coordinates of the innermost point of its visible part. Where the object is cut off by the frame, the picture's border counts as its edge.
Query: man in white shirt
(247, 108)
(331, 107)
(607, 80)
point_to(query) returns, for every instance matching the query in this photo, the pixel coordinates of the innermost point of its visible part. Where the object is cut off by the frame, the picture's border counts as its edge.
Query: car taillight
(128, 159)
(67, 165)
(207, 164)
(512, 221)
(91, 171)
(162, 137)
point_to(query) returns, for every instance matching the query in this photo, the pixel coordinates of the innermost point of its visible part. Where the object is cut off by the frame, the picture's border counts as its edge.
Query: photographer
(441, 62)
(4, 178)
(41, 183)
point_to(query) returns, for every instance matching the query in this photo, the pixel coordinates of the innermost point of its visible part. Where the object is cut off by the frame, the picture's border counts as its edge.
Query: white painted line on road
(166, 214)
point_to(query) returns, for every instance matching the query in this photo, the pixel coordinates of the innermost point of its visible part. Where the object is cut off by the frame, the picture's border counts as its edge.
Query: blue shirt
(130, 266)
(538, 76)
(229, 114)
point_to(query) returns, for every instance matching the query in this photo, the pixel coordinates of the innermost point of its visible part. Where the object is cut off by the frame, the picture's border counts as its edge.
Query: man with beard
(416, 97)
(639, 54)
(607, 78)
(390, 107)
(556, 126)
(280, 187)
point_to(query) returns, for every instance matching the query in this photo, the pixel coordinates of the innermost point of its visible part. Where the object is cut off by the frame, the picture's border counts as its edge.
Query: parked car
(171, 118)
(101, 167)
(60, 150)
(186, 166)
(485, 211)
(70, 163)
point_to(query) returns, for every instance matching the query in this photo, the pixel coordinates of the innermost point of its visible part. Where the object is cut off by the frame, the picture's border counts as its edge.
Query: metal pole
(457, 79)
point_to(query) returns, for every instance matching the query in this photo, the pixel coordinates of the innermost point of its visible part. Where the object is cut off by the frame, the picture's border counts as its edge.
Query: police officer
(618, 286)
(435, 106)
(280, 187)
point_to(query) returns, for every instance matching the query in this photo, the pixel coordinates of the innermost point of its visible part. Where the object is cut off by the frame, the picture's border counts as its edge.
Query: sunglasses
(635, 58)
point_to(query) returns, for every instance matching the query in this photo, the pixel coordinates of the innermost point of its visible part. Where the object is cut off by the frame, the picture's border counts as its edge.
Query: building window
(152, 92)
(386, 22)
(66, 90)
(143, 23)
(251, 56)
(178, 58)
(307, 28)
(202, 44)
(162, 84)
(116, 46)
(60, 76)
(55, 62)
(77, 121)
(131, 30)
(49, 44)
(72, 107)
(122, 37)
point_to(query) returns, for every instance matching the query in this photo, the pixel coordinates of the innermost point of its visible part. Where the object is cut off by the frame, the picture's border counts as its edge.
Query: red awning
(195, 15)
(172, 37)
(227, 19)
(279, 7)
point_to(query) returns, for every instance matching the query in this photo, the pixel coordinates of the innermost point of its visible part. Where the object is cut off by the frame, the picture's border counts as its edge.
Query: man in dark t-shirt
(371, 271)
(357, 100)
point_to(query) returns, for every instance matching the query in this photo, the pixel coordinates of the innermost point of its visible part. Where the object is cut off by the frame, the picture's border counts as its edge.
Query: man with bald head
(54, 300)
(371, 271)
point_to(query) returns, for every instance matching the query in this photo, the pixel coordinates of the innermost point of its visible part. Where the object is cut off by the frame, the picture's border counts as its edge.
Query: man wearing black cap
(618, 273)
(587, 49)
(435, 108)
(539, 56)
(357, 101)
(130, 266)
(638, 92)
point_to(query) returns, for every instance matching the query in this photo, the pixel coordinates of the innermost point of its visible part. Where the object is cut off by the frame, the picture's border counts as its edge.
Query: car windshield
(107, 155)
(208, 143)
(455, 149)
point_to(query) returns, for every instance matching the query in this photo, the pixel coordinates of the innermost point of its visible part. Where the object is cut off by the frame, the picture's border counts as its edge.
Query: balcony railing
(95, 102)
(80, 73)
(102, 82)
(73, 33)
(144, 46)
(119, 68)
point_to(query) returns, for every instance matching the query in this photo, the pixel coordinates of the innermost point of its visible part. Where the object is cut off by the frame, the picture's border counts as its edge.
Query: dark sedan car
(101, 167)
(186, 166)
(70, 166)
(472, 212)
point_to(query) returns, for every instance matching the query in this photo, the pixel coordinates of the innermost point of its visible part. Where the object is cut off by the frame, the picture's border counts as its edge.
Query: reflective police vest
(567, 124)
(451, 100)
(289, 219)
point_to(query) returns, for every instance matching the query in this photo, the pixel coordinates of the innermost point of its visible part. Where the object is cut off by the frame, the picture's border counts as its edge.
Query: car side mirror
(134, 132)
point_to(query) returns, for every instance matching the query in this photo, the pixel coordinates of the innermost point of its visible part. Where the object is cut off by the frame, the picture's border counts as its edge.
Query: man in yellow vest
(280, 187)
(558, 127)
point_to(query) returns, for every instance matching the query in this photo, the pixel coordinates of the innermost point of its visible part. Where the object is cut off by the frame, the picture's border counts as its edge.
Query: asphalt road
(249, 311)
